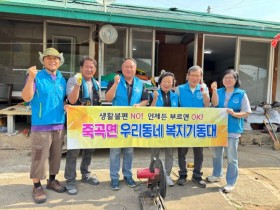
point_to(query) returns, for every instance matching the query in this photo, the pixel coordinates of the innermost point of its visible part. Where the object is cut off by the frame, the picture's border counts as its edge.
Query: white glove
(203, 88)
(79, 78)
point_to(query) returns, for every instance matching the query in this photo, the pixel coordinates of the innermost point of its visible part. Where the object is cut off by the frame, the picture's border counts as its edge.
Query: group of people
(50, 95)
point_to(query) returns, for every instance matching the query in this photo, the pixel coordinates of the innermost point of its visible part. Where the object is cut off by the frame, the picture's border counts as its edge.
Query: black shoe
(199, 182)
(130, 181)
(182, 180)
(115, 185)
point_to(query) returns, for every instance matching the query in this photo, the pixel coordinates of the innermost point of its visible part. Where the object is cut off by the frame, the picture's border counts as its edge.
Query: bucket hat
(53, 52)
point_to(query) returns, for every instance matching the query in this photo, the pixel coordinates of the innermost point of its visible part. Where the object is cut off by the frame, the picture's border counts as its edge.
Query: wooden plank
(269, 131)
(16, 110)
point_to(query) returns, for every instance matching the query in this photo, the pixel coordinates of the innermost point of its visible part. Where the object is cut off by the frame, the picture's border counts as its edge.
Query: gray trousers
(168, 160)
(71, 162)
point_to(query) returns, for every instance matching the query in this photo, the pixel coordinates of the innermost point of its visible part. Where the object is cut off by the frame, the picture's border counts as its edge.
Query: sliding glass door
(254, 70)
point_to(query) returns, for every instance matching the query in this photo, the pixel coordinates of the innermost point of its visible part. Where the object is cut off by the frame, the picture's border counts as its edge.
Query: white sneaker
(228, 188)
(169, 181)
(213, 179)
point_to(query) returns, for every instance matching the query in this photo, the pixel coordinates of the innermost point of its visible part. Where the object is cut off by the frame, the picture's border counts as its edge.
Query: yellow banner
(118, 127)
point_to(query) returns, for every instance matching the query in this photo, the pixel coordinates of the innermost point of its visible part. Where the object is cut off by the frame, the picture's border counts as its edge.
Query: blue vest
(189, 99)
(121, 97)
(84, 96)
(173, 99)
(48, 100)
(235, 125)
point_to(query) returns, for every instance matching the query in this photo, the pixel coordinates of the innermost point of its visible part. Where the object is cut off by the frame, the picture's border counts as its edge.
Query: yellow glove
(79, 78)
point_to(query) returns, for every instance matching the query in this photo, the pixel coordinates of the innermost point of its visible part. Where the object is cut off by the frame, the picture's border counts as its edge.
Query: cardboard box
(3, 121)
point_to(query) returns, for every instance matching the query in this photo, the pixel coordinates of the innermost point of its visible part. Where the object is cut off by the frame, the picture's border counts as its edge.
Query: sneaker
(130, 181)
(199, 182)
(90, 179)
(228, 188)
(55, 185)
(115, 184)
(71, 188)
(39, 195)
(169, 181)
(182, 180)
(212, 179)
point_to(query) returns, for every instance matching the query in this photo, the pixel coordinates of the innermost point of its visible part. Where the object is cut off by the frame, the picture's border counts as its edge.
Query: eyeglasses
(89, 67)
(194, 76)
(229, 78)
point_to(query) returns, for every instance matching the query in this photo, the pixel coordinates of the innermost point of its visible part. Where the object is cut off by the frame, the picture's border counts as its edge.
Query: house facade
(170, 39)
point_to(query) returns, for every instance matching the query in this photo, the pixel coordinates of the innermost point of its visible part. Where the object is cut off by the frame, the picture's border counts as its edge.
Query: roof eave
(116, 18)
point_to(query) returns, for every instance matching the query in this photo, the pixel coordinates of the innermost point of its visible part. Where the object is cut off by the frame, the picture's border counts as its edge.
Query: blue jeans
(232, 158)
(115, 156)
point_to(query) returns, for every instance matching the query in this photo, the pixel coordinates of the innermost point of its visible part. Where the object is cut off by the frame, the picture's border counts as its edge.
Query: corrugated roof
(141, 16)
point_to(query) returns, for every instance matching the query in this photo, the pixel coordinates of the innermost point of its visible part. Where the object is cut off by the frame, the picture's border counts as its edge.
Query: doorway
(174, 53)
(219, 55)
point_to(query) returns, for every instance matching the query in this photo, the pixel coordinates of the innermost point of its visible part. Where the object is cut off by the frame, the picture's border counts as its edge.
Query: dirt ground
(258, 186)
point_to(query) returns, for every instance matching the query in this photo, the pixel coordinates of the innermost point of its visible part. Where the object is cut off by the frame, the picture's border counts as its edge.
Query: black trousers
(198, 160)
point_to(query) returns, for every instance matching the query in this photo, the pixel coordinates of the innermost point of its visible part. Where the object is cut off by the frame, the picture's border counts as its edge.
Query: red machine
(152, 196)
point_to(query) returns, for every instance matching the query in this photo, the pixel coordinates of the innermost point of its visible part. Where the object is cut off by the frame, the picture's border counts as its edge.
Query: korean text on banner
(119, 127)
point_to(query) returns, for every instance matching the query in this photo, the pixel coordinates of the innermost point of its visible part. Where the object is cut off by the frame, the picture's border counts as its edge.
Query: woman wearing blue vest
(125, 90)
(165, 97)
(192, 94)
(46, 90)
(238, 108)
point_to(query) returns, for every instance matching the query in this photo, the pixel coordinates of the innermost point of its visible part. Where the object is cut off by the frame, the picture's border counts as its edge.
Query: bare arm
(142, 103)
(206, 100)
(154, 98)
(245, 109)
(110, 94)
(74, 95)
(214, 99)
(28, 90)
(205, 94)
(238, 114)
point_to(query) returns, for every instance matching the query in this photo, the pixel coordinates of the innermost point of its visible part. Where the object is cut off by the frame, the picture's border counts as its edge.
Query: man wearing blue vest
(125, 90)
(192, 94)
(82, 89)
(45, 90)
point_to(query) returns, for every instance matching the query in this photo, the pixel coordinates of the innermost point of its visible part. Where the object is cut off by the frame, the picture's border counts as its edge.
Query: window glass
(19, 47)
(115, 53)
(253, 70)
(72, 41)
(142, 41)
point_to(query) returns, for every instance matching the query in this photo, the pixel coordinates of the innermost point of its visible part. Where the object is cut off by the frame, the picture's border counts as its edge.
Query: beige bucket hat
(53, 52)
